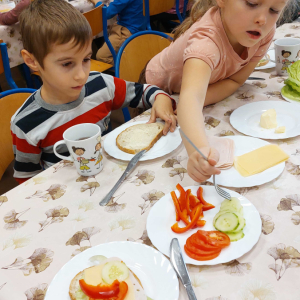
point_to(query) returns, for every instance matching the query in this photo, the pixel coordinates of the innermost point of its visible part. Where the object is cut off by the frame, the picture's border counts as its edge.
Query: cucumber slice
(242, 224)
(227, 221)
(234, 203)
(235, 236)
(114, 270)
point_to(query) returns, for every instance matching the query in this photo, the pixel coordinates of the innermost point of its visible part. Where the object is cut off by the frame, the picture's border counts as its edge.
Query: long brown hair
(199, 8)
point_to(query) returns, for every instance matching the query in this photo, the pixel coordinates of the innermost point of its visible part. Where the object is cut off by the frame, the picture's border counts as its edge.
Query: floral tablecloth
(55, 215)
(12, 37)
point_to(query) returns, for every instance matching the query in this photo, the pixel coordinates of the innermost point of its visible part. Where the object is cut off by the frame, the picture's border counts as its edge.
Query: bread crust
(131, 151)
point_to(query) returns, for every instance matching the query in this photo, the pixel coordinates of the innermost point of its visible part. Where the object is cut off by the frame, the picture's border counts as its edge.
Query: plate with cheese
(247, 170)
(268, 120)
(130, 138)
(143, 271)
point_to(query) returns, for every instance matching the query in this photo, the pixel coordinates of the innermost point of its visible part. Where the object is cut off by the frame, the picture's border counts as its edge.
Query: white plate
(152, 268)
(232, 178)
(246, 119)
(162, 217)
(165, 145)
(270, 64)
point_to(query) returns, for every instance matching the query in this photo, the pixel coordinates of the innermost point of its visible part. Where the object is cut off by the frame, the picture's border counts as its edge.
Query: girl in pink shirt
(213, 53)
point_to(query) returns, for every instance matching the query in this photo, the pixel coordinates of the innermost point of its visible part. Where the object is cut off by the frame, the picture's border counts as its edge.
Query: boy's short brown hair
(48, 22)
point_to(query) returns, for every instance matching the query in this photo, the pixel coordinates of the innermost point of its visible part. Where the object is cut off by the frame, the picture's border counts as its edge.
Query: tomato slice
(200, 257)
(214, 238)
(198, 243)
(198, 251)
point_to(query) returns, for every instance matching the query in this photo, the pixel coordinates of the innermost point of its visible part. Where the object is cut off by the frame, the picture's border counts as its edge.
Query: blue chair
(155, 7)
(4, 65)
(134, 54)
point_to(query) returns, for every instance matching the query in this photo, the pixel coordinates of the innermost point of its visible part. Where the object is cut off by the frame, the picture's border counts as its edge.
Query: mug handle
(70, 158)
(270, 58)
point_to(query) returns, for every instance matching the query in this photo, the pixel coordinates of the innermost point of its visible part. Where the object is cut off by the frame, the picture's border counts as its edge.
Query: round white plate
(162, 217)
(165, 145)
(290, 100)
(246, 119)
(232, 178)
(270, 64)
(152, 268)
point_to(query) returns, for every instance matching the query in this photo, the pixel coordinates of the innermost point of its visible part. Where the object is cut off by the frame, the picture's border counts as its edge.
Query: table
(12, 37)
(40, 218)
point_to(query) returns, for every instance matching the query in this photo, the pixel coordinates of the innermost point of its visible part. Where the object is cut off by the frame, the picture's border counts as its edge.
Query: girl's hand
(162, 108)
(199, 169)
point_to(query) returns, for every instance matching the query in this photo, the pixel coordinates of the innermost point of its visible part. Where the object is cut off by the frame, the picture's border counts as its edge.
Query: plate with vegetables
(210, 229)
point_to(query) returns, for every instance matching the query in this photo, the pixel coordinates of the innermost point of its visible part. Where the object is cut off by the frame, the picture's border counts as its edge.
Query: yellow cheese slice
(259, 160)
(93, 276)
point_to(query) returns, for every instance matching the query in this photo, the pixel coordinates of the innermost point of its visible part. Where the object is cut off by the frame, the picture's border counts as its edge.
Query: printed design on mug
(286, 62)
(98, 148)
(298, 55)
(83, 161)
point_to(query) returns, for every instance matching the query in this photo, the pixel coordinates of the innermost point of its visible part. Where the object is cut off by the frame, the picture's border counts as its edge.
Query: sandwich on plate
(110, 280)
(263, 61)
(139, 137)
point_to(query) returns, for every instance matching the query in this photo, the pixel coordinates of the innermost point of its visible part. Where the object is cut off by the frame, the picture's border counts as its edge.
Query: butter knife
(128, 170)
(255, 78)
(180, 268)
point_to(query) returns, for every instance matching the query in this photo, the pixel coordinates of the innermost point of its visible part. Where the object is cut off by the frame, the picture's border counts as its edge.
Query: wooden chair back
(138, 52)
(94, 17)
(8, 106)
(1, 61)
(159, 6)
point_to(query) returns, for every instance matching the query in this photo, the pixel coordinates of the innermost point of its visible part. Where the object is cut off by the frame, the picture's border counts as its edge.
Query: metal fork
(220, 191)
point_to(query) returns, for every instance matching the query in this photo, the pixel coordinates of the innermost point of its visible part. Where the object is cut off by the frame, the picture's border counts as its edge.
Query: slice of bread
(263, 61)
(139, 137)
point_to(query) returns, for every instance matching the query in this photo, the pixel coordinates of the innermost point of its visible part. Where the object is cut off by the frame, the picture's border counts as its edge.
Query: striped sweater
(37, 125)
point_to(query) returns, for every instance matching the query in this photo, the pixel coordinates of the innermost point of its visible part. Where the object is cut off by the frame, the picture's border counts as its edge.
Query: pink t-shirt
(207, 40)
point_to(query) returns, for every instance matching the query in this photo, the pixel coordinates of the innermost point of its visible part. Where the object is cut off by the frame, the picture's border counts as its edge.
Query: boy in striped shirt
(57, 43)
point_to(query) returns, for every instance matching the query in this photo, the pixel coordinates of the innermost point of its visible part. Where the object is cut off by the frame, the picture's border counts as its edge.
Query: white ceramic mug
(85, 148)
(287, 51)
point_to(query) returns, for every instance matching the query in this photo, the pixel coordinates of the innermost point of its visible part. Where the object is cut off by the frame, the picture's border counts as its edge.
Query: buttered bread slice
(139, 137)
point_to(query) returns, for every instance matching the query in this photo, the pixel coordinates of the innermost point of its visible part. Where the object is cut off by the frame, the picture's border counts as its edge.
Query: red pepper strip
(175, 200)
(175, 228)
(194, 201)
(182, 198)
(187, 201)
(100, 291)
(123, 290)
(200, 223)
(206, 205)
(180, 214)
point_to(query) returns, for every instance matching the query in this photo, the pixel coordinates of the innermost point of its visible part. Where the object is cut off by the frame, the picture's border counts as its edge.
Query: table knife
(180, 268)
(128, 170)
(255, 78)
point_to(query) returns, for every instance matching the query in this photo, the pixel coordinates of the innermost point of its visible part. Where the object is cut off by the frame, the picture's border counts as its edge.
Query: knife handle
(190, 292)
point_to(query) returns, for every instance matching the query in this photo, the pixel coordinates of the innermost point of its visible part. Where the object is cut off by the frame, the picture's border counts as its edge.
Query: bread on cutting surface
(139, 137)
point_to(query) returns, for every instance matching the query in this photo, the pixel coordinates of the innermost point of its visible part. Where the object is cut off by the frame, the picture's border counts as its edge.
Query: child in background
(70, 94)
(130, 21)
(12, 16)
(213, 53)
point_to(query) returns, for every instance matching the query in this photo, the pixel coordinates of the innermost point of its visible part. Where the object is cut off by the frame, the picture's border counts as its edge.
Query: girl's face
(79, 152)
(98, 147)
(247, 22)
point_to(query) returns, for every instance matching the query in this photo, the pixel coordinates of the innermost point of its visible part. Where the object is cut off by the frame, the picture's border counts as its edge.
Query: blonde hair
(52, 22)
(200, 7)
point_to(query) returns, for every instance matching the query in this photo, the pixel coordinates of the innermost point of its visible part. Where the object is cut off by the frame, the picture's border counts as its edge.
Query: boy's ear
(30, 60)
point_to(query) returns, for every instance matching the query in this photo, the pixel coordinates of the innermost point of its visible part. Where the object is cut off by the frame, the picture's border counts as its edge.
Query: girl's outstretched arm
(195, 80)
(226, 87)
